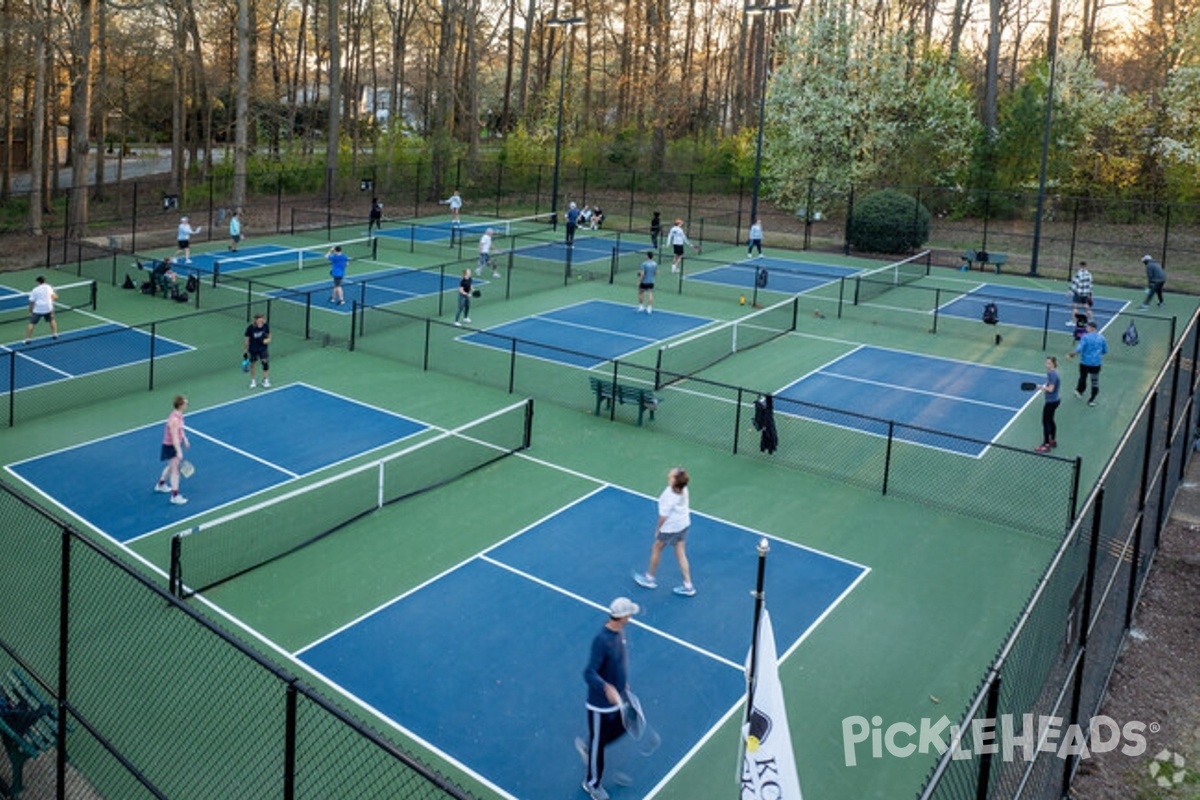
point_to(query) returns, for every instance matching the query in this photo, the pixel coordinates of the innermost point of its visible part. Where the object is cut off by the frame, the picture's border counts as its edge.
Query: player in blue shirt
(1091, 349)
(338, 261)
(572, 217)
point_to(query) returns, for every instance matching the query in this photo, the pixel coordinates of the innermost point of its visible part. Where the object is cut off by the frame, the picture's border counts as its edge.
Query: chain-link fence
(153, 700)
(1057, 661)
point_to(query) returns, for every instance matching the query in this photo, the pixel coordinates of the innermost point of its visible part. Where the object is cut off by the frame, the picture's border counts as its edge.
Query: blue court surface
(377, 288)
(781, 275)
(238, 448)
(485, 662)
(245, 258)
(586, 334)
(586, 250)
(933, 394)
(84, 351)
(1029, 308)
(427, 231)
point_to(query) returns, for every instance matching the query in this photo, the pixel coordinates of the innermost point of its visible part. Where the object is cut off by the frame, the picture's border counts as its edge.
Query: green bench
(606, 391)
(983, 258)
(28, 724)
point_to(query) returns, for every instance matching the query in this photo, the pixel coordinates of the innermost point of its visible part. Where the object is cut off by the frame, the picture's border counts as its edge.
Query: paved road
(148, 161)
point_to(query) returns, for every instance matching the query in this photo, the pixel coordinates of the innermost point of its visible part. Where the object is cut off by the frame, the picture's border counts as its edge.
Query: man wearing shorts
(674, 519)
(1081, 294)
(41, 307)
(337, 270)
(646, 275)
(677, 238)
(184, 239)
(258, 336)
(235, 231)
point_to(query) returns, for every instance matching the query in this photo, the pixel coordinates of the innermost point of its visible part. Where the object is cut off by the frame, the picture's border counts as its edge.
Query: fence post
(737, 419)
(133, 227)
(887, 456)
(985, 758)
(289, 742)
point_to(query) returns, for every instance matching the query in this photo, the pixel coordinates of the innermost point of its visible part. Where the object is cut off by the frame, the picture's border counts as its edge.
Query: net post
(216, 276)
(527, 439)
(175, 575)
(92, 291)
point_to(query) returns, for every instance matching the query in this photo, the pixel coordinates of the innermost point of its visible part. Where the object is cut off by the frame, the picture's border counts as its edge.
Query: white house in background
(369, 100)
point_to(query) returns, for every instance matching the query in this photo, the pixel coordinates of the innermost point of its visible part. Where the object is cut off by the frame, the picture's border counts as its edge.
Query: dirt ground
(1157, 680)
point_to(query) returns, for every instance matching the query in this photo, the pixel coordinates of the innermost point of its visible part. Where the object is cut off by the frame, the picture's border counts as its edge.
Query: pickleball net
(530, 225)
(77, 296)
(283, 260)
(685, 357)
(217, 551)
(875, 283)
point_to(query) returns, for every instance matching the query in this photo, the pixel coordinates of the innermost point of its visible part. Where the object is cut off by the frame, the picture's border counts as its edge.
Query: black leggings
(1049, 428)
(1081, 384)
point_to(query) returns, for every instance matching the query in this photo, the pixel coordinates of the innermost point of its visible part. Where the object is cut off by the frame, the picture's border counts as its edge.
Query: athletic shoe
(1053, 444)
(595, 792)
(644, 580)
(1143, 306)
(266, 384)
(1070, 323)
(1160, 304)
(187, 261)
(26, 342)
(341, 302)
(581, 748)
(478, 272)
(178, 499)
(649, 309)
(1042, 448)
(467, 320)
(641, 309)
(495, 274)
(1079, 395)
(1092, 402)
(686, 590)
(162, 487)
(457, 324)
(253, 384)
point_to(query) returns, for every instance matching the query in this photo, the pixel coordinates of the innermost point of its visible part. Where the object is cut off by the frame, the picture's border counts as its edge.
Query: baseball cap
(1146, 258)
(623, 607)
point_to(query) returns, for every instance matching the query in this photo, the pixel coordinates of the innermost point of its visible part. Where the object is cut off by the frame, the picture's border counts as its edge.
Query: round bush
(888, 222)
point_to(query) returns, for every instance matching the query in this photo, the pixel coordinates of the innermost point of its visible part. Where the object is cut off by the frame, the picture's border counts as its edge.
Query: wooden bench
(28, 724)
(606, 391)
(983, 258)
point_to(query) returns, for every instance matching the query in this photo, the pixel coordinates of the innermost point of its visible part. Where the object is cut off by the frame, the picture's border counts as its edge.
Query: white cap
(571, 204)
(623, 607)
(1146, 258)
(183, 219)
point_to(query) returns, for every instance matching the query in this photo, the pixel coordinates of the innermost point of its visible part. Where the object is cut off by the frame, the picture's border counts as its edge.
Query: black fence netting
(1057, 662)
(159, 702)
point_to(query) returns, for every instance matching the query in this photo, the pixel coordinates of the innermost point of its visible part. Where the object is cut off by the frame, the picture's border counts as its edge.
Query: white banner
(768, 764)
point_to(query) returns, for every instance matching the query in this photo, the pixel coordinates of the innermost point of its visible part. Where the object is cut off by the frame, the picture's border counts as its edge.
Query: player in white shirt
(485, 254)
(41, 306)
(455, 203)
(184, 239)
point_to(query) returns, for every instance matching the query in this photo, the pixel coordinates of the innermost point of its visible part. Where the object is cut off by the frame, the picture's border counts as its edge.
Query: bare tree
(81, 115)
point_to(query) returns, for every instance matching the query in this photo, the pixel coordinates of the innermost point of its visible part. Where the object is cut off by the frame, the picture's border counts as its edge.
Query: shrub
(888, 222)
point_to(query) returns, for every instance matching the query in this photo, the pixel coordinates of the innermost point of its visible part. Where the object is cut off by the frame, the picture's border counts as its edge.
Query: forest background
(905, 94)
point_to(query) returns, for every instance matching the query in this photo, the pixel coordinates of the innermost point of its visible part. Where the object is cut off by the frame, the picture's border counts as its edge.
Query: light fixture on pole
(566, 23)
(755, 11)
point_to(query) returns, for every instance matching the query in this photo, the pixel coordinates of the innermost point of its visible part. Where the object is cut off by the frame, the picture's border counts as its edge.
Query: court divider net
(297, 258)
(77, 296)
(216, 551)
(683, 358)
(870, 285)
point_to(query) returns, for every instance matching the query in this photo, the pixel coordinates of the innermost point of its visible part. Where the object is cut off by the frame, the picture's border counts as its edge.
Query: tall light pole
(756, 11)
(1051, 59)
(566, 24)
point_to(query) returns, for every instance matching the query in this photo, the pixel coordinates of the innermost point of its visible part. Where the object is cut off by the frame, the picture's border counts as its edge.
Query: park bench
(983, 258)
(28, 724)
(606, 391)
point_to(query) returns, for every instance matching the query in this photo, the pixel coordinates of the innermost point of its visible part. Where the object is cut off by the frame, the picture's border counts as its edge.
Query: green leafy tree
(852, 104)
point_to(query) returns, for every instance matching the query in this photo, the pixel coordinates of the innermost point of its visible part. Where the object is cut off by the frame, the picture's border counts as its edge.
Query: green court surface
(910, 643)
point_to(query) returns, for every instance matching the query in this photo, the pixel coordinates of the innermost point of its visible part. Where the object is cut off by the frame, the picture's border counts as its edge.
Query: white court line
(940, 395)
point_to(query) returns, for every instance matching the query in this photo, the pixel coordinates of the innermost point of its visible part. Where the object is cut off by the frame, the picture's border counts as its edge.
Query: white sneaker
(495, 274)
(187, 261)
(253, 384)
(649, 309)
(645, 581)
(595, 792)
(467, 320)
(641, 308)
(162, 487)
(266, 383)
(178, 500)
(686, 590)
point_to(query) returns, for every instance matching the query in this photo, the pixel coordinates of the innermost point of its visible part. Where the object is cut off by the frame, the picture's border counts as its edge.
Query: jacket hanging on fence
(764, 423)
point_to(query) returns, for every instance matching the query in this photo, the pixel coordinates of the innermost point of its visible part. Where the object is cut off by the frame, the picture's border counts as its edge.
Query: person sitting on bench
(165, 278)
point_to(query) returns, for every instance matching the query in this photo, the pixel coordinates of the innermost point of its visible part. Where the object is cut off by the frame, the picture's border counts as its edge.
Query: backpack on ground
(991, 314)
(1130, 336)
